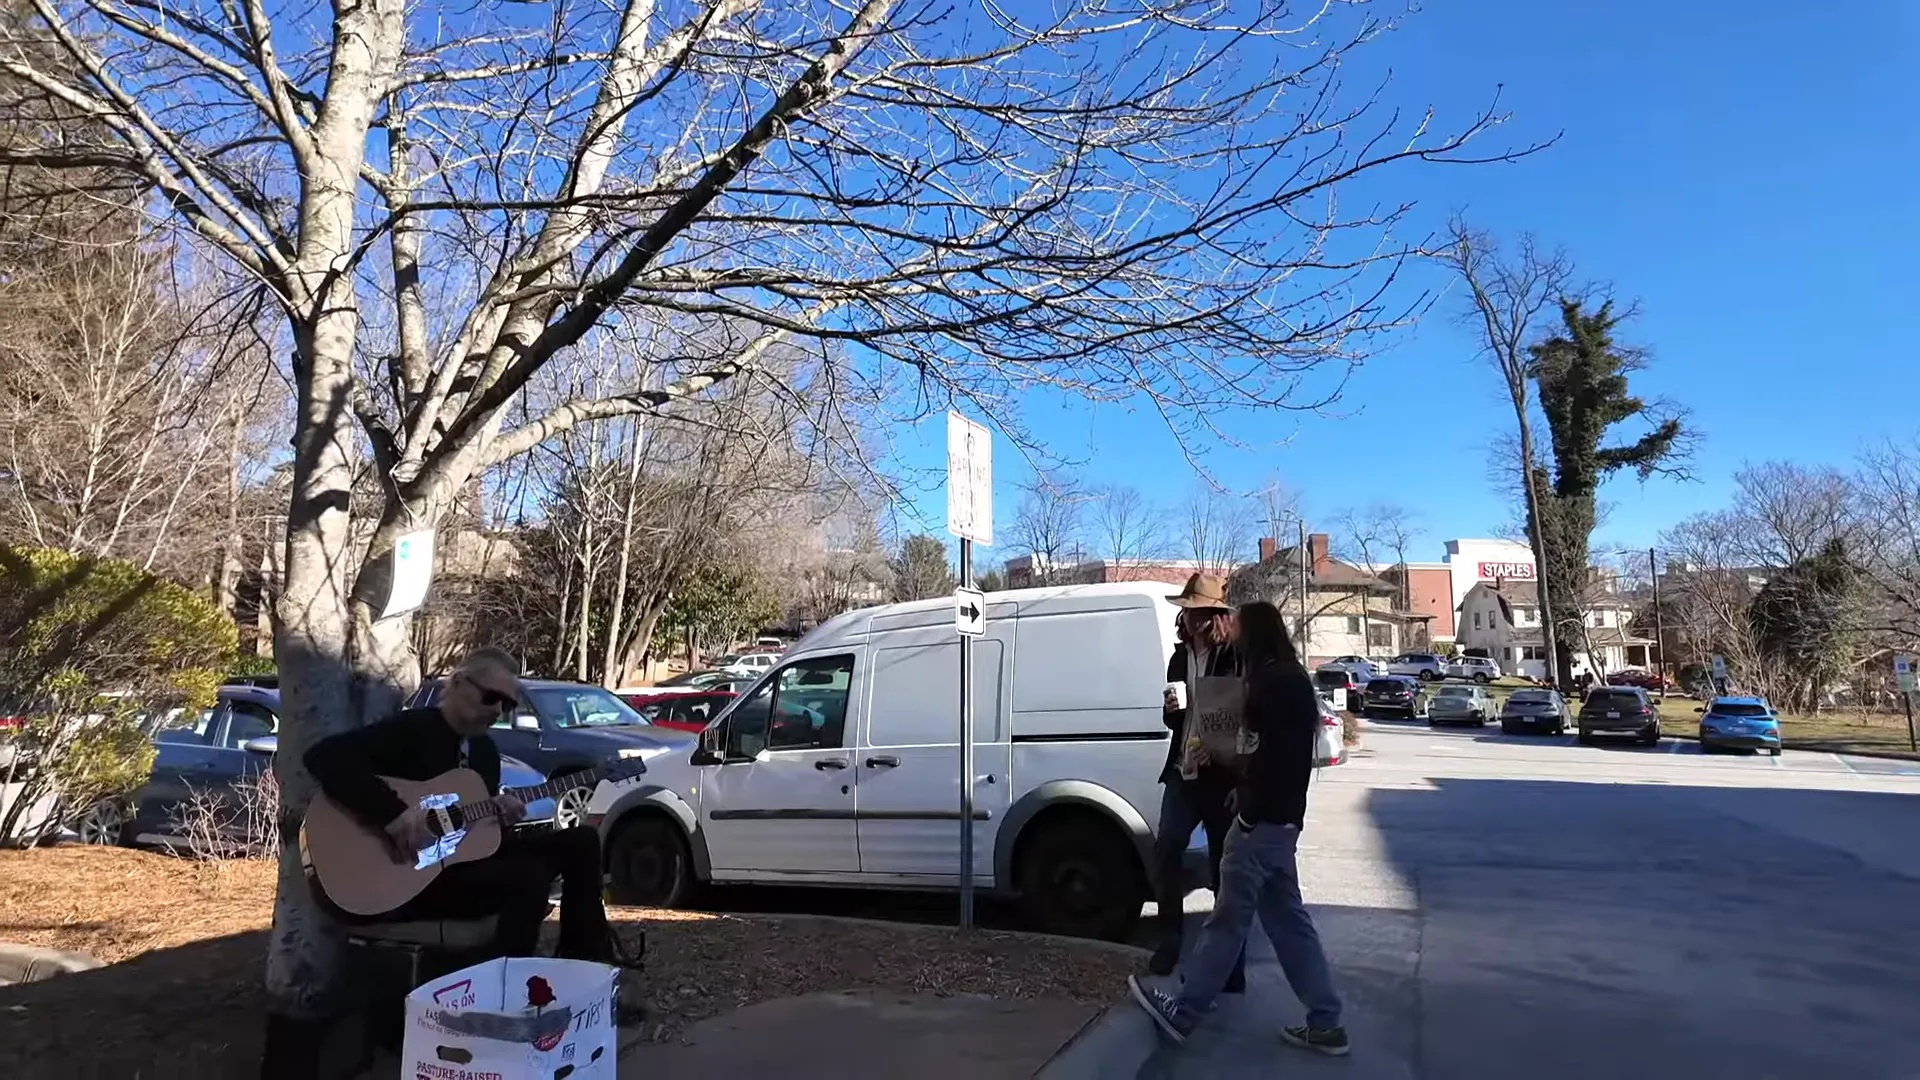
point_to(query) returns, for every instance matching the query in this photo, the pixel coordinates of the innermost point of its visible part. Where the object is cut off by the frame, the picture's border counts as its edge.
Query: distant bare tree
(1888, 489)
(1127, 527)
(1217, 529)
(1049, 525)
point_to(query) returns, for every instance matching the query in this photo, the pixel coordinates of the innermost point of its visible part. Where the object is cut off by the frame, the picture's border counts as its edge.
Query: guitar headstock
(625, 769)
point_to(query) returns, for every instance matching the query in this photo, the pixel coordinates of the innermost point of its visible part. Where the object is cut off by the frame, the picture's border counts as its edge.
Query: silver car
(1535, 710)
(1455, 703)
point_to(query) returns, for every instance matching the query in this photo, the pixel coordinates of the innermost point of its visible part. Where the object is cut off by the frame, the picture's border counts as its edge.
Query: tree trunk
(608, 664)
(1537, 537)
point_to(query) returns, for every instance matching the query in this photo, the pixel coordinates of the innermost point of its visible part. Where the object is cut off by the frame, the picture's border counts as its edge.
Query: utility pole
(1659, 621)
(1301, 551)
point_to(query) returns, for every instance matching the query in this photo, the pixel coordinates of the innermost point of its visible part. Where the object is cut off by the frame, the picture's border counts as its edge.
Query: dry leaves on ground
(184, 941)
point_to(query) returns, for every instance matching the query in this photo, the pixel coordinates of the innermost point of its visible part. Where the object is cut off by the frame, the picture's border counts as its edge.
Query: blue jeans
(1258, 875)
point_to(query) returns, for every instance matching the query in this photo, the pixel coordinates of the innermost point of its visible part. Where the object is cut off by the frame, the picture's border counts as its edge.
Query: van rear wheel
(1080, 878)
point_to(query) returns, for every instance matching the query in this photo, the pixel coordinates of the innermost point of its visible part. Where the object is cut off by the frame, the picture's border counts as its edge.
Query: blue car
(1739, 723)
(214, 750)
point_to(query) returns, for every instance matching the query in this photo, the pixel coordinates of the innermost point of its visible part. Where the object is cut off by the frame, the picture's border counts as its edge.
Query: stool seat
(459, 934)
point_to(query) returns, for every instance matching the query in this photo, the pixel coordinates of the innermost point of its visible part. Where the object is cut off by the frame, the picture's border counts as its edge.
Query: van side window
(804, 707)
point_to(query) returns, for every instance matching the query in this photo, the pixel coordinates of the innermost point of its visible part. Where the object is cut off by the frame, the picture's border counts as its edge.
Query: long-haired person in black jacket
(1205, 629)
(1258, 873)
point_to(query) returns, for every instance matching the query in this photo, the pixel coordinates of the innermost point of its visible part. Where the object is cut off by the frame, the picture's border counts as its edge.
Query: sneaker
(1164, 959)
(1174, 1022)
(1331, 1041)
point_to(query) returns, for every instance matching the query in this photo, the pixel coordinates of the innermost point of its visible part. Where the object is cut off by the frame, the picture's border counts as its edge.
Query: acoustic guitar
(355, 864)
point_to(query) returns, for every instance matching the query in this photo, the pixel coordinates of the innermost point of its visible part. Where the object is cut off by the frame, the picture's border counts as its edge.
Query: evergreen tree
(920, 569)
(1581, 376)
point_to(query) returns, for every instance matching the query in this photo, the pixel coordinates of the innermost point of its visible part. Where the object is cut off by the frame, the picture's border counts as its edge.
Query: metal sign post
(1903, 675)
(969, 517)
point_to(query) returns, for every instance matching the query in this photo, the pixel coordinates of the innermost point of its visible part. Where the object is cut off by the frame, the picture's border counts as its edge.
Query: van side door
(909, 757)
(780, 804)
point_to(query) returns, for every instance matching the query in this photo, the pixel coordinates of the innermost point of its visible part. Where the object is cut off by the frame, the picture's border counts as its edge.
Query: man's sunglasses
(494, 699)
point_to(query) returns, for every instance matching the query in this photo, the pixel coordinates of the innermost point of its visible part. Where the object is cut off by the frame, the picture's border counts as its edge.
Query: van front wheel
(1079, 877)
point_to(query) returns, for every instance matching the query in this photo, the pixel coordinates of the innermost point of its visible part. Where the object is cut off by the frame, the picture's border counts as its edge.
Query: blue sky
(1746, 173)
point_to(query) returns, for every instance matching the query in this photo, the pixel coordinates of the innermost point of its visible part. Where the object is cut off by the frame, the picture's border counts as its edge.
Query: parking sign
(1903, 672)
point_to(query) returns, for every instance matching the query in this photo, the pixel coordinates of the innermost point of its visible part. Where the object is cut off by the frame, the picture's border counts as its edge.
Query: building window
(1353, 624)
(1603, 616)
(1380, 636)
(1535, 652)
(1476, 620)
(1526, 615)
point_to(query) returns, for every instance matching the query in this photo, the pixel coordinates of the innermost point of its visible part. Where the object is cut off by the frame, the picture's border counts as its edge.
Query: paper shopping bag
(1215, 722)
(518, 1018)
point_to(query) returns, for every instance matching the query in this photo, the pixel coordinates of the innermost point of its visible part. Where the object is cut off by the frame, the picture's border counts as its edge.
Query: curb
(30, 963)
(1116, 1042)
(1120, 948)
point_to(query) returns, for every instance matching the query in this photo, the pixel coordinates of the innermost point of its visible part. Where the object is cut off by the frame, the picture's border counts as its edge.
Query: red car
(684, 711)
(1645, 680)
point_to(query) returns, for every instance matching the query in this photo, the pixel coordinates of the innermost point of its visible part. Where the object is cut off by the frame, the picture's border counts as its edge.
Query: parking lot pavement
(1503, 906)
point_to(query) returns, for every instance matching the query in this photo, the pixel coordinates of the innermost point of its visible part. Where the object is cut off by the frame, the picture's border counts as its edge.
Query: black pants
(1184, 804)
(515, 883)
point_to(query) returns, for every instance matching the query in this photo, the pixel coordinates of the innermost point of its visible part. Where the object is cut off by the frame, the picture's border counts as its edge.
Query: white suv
(1363, 669)
(1428, 667)
(841, 767)
(1475, 668)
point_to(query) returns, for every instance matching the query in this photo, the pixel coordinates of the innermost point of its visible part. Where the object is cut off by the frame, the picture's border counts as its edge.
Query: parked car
(1328, 679)
(769, 643)
(1426, 666)
(1534, 710)
(751, 663)
(1396, 695)
(708, 679)
(1363, 668)
(213, 750)
(1473, 668)
(691, 710)
(1330, 742)
(1458, 704)
(1739, 723)
(1619, 710)
(1065, 770)
(563, 727)
(1646, 680)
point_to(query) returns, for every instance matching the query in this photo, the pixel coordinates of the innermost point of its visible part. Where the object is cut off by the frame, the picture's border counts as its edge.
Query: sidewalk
(865, 1035)
(1373, 954)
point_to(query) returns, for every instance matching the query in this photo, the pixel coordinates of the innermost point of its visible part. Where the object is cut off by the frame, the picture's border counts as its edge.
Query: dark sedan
(565, 727)
(1396, 695)
(1534, 710)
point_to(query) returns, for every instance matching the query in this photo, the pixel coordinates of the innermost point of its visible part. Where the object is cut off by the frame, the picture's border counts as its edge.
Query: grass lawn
(185, 943)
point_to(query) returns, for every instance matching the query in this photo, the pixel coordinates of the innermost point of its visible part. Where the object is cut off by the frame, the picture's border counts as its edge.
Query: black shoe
(1236, 982)
(1165, 959)
(1174, 1022)
(1331, 1041)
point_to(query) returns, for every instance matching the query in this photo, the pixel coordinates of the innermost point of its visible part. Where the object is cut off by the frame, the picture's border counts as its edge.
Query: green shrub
(85, 645)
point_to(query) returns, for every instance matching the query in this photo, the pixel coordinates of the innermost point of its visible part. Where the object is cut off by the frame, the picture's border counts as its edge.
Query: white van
(840, 767)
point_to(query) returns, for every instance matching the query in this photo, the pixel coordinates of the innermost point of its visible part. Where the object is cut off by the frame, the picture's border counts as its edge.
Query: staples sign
(1489, 571)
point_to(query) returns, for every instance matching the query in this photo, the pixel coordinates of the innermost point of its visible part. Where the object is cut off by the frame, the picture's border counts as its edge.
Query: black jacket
(414, 744)
(1221, 661)
(1283, 714)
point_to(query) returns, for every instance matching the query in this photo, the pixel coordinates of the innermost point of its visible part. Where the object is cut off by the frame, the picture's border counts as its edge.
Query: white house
(1504, 619)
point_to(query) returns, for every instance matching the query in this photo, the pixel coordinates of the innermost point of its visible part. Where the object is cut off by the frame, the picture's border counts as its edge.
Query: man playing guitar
(515, 883)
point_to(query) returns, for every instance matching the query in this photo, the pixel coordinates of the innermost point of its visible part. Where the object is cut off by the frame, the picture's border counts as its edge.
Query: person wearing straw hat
(1202, 676)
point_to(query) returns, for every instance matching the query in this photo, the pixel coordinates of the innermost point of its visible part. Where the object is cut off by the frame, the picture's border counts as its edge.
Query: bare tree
(1370, 538)
(1507, 294)
(1888, 489)
(1217, 529)
(1049, 526)
(1107, 199)
(1127, 528)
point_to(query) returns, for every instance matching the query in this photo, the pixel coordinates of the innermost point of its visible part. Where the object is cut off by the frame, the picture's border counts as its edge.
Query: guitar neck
(535, 793)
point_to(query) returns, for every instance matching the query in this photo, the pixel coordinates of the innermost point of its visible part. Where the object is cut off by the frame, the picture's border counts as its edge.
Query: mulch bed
(185, 944)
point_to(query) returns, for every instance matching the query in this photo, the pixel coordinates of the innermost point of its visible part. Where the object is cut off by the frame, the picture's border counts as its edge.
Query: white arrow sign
(970, 611)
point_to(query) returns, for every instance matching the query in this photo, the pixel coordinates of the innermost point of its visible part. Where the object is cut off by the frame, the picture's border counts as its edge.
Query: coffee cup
(1176, 696)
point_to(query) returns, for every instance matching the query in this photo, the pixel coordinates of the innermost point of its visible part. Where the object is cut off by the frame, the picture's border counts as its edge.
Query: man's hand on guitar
(510, 809)
(408, 833)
